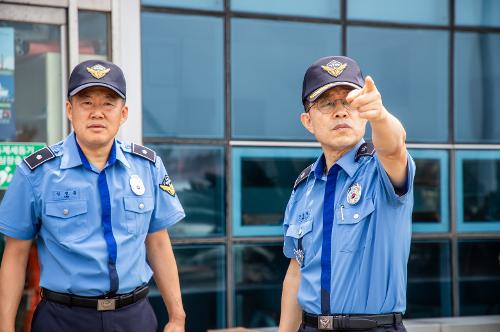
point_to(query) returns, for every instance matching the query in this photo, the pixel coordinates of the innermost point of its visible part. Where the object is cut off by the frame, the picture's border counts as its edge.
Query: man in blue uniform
(97, 208)
(348, 222)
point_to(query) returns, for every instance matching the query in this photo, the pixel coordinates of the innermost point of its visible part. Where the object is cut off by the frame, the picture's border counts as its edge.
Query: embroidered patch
(334, 68)
(167, 186)
(299, 256)
(354, 194)
(98, 71)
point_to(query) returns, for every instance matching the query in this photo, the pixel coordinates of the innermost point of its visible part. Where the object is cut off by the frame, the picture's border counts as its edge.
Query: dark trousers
(390, 328)
(55, 317)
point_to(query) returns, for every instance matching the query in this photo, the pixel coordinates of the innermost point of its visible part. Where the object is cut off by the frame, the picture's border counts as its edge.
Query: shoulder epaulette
(39, 157)
(366, 149)
(303, 175)
(143, 152)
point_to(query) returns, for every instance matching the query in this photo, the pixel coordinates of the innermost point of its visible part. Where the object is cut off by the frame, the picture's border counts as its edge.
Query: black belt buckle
(325, 323)
(106, 304)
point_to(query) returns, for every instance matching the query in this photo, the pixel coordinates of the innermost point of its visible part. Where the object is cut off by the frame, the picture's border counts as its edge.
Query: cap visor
(319, 91)
(88, 85)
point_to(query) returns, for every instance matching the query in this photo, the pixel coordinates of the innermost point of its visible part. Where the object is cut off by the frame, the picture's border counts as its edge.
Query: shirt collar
(71, 156)
(347, 162)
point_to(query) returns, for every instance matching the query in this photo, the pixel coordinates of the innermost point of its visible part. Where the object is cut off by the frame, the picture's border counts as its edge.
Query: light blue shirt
(59, 204)
(370, 240)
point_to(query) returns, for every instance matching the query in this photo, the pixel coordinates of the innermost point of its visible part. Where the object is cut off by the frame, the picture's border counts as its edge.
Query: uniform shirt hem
(14, 233)
(167, 222)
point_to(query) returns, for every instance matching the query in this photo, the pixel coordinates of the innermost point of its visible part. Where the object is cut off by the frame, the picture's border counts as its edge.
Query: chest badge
(299, 256)
(354, 194)
(137, 185)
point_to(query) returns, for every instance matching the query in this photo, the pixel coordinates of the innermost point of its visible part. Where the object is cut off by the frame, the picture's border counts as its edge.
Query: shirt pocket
(67, 220)
(138, 210)
(352, 225)
(302, 232)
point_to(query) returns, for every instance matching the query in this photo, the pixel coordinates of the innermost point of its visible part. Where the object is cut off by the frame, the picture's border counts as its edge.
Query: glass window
(269, 59)
(477, 12)
(263, 180)
(430, 193)
(30, 109)
(478, 190)
(259, 270)
(429, 269)
(410, 69)
(93, 28)
(401, 11)
(477, 82)
(201, 274)
(311, 8)
(195, 4)
(198, 176)
(479, 277)
(183, 76)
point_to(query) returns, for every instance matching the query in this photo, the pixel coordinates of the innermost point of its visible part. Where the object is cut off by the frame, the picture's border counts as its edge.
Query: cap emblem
(98, 71)
(334, 68)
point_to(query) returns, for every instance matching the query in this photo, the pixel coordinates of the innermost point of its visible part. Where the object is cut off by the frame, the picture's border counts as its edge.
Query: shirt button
(141, 206)
(356, 216)
(65, 212)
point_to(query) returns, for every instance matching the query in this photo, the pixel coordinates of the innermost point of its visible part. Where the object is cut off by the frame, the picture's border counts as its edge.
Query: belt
(99, 303)
(350, 322)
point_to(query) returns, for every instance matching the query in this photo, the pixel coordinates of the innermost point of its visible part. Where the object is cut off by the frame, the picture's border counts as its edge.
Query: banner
(11, 155)
(7, 115)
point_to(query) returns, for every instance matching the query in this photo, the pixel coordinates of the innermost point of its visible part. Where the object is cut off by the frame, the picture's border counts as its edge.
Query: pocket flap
(138, 204)
(66, 209)
(299, 230)
(352, 214)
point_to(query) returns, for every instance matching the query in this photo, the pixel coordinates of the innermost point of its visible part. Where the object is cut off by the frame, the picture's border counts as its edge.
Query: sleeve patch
(167, 186)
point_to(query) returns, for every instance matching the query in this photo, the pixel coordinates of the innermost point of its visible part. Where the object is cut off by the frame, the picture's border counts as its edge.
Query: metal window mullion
(73, 35)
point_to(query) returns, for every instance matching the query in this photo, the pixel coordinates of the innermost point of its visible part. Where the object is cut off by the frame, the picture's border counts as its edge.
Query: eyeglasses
(329, 106)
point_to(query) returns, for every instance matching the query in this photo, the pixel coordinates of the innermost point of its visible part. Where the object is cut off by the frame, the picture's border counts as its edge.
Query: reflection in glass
(477, 73)
(197, 173)
(311, 8)
(479, 277)
(201, 273)
(268, 62)
(416, 60)
(266, 186)
(258, 275)
(198, 4)
(477, 12)
(401, 11)
(93, 30)
(30, 109)
(183, 75)
(426, 192)
(481, 190)
(429, 269)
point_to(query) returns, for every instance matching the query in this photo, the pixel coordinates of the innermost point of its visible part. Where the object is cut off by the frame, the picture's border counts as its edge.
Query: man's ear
(124, 114)
(69, 109)
(305, 118)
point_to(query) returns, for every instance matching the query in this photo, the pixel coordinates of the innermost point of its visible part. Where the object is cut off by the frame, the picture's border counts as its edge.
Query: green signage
(11, 155)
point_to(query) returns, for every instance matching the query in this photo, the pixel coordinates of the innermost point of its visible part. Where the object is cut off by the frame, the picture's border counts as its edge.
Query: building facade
(215, 88)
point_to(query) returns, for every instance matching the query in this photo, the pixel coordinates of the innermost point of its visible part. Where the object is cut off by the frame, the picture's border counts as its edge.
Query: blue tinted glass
(477, 82)
(312, 8)
(197, 173)
(478, 190)
(269, 60)
(201, 274)
(477, 12)
(197, 4)
(410, 69)
(93, 38)
(479, 280)
(429, 269)
(430, 193)
(403, 11)
(182, 76)
(263, 179)
(258, 277)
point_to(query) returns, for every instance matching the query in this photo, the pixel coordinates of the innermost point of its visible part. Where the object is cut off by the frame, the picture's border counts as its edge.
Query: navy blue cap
(329, 72)
(97, 73)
